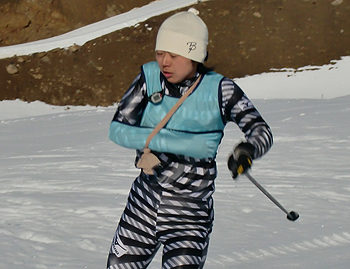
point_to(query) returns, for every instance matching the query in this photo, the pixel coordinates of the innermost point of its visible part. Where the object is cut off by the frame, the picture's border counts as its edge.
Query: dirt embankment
(246, 37)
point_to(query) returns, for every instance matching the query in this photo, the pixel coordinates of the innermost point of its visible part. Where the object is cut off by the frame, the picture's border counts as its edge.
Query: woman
(172, 205)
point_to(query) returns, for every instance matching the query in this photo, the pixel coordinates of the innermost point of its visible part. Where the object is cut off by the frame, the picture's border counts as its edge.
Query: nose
(166, 59)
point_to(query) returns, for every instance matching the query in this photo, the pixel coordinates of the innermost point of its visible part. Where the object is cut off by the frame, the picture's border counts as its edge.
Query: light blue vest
(195, 130)
(199, 114)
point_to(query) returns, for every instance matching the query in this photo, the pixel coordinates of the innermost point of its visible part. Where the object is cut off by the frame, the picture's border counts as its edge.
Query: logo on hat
(191, 46)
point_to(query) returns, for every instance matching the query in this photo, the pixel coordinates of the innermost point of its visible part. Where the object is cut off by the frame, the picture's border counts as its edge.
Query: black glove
(241, 159)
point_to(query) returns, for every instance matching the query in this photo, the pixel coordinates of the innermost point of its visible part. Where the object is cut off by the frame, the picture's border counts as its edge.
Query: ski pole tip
(292, 215)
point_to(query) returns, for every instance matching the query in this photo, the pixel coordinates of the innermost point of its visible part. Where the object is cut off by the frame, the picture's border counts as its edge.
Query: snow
(63, 184)
(327, 81)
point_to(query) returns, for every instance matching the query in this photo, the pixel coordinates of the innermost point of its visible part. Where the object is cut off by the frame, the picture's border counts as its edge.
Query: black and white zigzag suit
(174, 207)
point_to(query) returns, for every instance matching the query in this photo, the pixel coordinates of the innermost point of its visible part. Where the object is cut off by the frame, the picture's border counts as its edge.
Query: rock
(11, 69)
(56, 15)
(46, 59)
(73, 48)
(257, 14)
(337, 2)
(37, 76)
(20, 59)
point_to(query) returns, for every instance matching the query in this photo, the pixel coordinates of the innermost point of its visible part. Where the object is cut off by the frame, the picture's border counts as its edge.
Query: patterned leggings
(152, 218)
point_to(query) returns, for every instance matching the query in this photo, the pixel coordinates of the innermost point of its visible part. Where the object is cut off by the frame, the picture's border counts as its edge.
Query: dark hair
(202, 69)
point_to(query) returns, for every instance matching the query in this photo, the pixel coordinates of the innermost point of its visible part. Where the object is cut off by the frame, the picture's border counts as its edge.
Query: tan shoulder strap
(171, 112)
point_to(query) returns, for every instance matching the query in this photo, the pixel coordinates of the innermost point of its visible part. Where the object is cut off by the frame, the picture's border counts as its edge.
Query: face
(174, 67)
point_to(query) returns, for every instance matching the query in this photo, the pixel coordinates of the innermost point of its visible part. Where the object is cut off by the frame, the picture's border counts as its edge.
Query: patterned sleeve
(236, 107)
(133, 103)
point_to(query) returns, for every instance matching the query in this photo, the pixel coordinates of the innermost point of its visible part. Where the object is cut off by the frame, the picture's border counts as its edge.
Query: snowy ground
(63, 186)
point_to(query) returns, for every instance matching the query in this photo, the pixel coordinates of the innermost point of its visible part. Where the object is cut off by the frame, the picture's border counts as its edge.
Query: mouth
(167, 74)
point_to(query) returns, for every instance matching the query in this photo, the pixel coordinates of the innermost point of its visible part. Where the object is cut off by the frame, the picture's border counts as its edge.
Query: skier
(170, 204)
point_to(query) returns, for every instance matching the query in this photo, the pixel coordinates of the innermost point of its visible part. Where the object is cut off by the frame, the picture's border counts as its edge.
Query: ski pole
(292, 215)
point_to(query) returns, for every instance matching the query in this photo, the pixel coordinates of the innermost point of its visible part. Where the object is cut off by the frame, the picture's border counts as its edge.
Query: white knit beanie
(184, 34)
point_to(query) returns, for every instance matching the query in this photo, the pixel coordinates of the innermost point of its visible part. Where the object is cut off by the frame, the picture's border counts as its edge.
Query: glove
(241, 159)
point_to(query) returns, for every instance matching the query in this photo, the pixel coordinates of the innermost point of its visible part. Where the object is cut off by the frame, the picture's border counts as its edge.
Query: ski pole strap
(171, 112)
